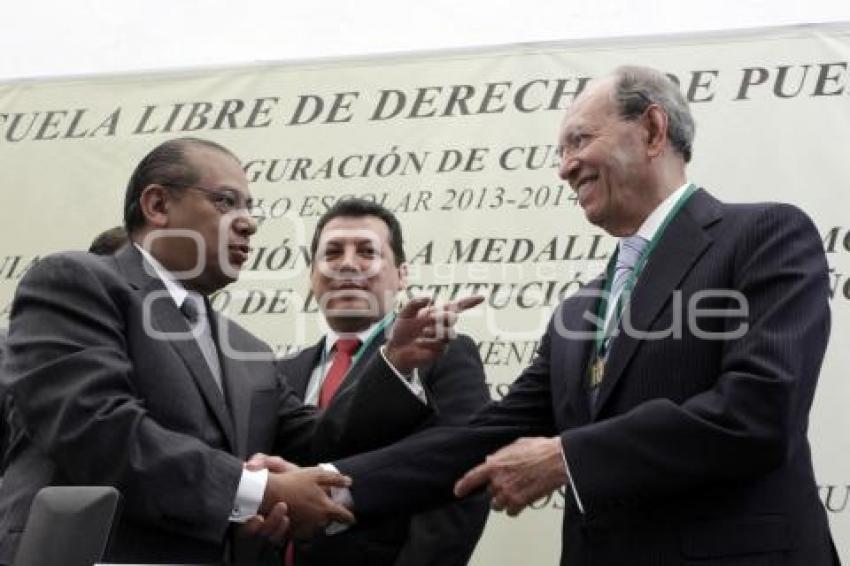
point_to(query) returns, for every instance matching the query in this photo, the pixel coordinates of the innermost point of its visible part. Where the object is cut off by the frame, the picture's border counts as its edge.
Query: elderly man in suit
(671, 396)
(358, 269)
(122, 375)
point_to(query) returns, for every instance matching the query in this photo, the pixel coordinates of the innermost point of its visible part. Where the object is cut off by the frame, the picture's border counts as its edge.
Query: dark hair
(166, 164)
(357, 207)
(638, 87)
(109, 241)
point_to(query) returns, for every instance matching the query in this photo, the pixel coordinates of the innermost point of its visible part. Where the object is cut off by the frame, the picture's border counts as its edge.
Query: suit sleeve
(378, 412)
(447, 535)
(420, 471)
(298, 426)
(72, 382)
(754, 416)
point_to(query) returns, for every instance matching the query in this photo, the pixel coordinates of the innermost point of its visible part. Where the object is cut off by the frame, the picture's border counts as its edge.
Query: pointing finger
(466, 303)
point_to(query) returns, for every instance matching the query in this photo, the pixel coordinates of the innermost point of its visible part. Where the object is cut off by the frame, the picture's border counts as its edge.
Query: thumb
(472, 480)
(256, 462)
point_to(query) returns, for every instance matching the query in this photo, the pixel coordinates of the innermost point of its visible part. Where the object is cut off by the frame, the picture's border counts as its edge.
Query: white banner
(462, 147)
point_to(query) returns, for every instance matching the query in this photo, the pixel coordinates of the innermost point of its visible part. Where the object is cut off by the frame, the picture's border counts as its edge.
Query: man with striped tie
(670, 397)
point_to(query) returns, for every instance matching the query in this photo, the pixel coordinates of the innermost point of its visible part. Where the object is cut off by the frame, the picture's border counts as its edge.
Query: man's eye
(368, 252)
(229, 201)
(578, 140)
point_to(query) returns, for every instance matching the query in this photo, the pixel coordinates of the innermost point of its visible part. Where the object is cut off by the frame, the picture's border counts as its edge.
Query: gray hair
(636, 88)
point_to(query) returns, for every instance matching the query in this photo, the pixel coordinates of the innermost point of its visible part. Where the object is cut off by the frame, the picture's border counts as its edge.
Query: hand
(305, 492)
(518, 474)
(260, 461)
(422, 330)
(273, 526)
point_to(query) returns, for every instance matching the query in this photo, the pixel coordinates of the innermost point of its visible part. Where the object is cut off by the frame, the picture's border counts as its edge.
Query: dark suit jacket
(5, 408)
(444, 536)
(696, 451)
(107, 395)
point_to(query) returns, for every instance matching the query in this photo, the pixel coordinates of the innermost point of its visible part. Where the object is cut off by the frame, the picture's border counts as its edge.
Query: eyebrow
(248, 199)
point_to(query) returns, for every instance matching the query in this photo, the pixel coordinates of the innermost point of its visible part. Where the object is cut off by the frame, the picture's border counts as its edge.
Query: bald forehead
(198, 154)
(599, 90)
(595, 101)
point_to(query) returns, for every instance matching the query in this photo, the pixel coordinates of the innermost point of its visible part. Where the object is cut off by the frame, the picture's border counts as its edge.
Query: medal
(597, 371)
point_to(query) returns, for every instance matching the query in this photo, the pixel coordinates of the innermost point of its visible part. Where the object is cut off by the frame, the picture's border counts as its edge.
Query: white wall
(55, 37)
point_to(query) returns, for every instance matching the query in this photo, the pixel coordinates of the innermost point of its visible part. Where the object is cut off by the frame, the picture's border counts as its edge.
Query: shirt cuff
(412, 381)
(570, 479)
(342, 496)
(249, 494)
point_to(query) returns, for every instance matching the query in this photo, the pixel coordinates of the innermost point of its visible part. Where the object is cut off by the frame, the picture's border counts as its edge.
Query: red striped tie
(343, 351)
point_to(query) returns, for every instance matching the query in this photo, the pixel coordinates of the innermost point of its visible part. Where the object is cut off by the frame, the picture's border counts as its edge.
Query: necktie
(627, 257)
(191, 309)
(343, 351)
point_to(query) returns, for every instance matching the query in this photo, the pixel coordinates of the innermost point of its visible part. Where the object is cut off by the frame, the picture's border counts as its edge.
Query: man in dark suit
(122, 375)
(359, 267)
(5, 409)
(671, 396)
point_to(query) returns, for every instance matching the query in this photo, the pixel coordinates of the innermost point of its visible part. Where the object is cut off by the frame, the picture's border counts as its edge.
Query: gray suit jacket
(109, 394)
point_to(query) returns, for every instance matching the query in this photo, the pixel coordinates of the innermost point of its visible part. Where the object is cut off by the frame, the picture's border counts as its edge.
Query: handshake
(297, 501)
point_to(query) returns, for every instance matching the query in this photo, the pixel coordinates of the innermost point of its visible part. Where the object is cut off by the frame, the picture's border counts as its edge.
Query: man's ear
(154, 203)
(655, 121)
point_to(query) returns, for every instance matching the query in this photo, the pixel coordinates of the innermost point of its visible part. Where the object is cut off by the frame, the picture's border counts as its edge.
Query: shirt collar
(177, 291)
(653, 222)
(332, 336)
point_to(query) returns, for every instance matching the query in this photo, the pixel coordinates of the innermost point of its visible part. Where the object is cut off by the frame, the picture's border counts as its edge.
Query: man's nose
(244, 224)
(348, 259)
(568, 167)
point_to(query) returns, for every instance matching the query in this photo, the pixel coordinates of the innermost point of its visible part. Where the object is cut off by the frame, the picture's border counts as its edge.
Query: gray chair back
(68, 526)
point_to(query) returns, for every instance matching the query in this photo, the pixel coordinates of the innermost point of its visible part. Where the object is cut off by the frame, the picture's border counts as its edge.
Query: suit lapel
(299, 369)
(571, 356)
(168, 324)
(682, 244)
(350, 379)
(236, 383)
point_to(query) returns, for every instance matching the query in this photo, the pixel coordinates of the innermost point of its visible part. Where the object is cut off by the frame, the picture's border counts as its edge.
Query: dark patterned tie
(191, 309)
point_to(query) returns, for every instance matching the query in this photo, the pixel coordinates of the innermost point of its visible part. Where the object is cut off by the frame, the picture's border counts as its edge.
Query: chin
(222, 279)
(593, 217)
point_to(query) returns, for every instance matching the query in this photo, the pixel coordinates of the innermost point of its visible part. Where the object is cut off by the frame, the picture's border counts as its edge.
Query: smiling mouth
(239, 253)
(584, 181)
(583, 187)
(353, 300)
(349, 286)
